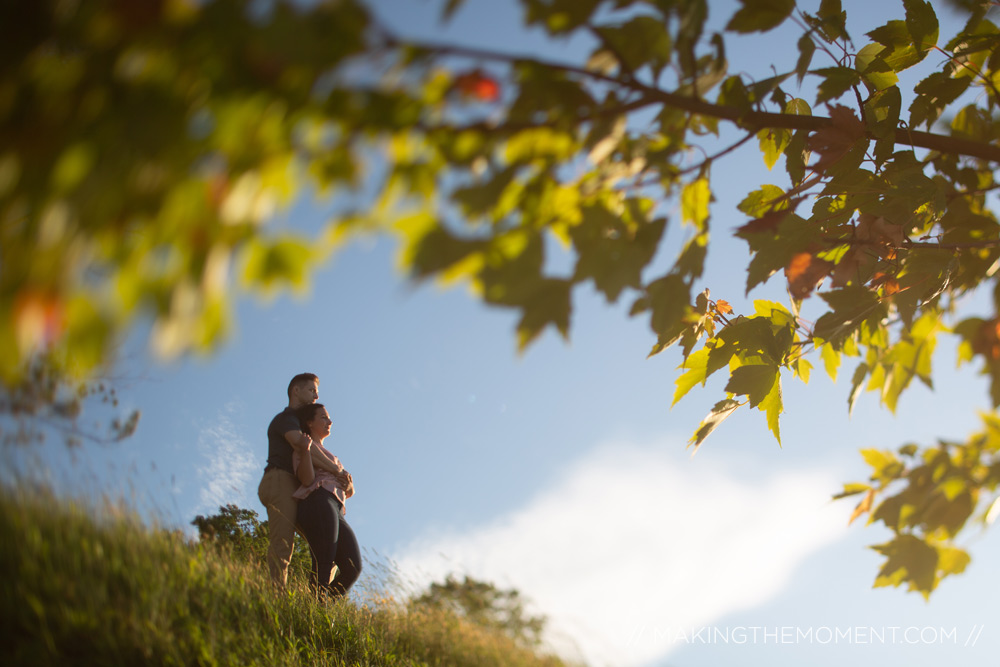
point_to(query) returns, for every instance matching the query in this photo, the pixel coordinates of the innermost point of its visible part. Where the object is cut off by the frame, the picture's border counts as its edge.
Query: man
(279, 481)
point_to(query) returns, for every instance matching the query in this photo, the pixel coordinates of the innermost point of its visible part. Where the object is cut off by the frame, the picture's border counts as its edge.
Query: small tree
(243, 534)
(482, 603)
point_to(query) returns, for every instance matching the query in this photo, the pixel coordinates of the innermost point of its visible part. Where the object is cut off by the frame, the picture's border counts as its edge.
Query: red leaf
(38, 318)
(478, 86)
(887, 282)
(804, 272)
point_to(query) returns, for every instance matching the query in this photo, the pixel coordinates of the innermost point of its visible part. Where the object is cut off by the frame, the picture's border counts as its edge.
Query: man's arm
(323, 460)
(319, 458)
(302, 444)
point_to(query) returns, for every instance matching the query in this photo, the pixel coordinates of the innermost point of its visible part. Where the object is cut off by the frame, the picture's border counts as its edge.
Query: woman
(321, 510)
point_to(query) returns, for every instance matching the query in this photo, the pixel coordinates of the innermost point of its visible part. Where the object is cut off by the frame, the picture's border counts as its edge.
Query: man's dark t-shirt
(279, 452)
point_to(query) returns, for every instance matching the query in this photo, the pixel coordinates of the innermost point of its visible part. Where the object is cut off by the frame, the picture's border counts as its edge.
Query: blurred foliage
(148, 147)
(50, 403)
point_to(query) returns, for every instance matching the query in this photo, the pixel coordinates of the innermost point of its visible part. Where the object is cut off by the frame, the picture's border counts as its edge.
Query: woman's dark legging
(331, 541)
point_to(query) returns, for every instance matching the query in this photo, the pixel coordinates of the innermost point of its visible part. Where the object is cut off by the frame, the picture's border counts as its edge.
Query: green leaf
(853, 307)
(760, 15)
(922, 24)
(612, 254)
(857, 384)
(694, 374)
(694, 202)
(909, 560)
(806, 50)
(773, 406)
(773, 143)
(933, 95)
(754, 381)
(831, 362)
(691, 261)
(773, 249)
(952, 560)
(852, 489)
(901, 50)
(833, 20)
(641, 41)
(549, 304)
(733, 93)
(796, 156)
(759, 202)
(873, 69)
(511, 274)
(884, 464)
(882, 115)
(284, 262)
(669, 298)
(719, 413)
(560, 16)
(836, 81)
(440, 253)
(750, 337)
(483, 199)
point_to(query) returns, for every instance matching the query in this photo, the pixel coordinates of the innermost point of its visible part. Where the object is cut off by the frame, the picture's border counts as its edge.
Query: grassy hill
(100, 588)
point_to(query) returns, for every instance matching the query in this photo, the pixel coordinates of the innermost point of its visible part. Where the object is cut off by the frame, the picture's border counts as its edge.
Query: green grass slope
(78, 589)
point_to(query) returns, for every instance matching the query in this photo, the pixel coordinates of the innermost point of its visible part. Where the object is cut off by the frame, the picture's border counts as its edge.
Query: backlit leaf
(694, 374)
(753, 381)
(719, 413)
(909, 560)
(773, 406)
(694, 202)
(760, 15)
(806, 50)
(772, 144)
(922, 23)
(548, 304)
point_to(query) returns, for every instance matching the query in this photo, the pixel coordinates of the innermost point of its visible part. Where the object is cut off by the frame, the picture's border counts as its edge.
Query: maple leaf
(887, 282)
(804, 272)
(768, 222)
(837, 139)
(856, 263)
(987, 339)
(723, 307)
(881, 233)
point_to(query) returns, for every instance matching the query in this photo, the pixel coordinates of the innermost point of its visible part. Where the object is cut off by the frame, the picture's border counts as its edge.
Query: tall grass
(81, 586)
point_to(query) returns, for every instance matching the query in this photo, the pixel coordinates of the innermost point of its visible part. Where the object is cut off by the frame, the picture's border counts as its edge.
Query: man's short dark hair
(300, 379)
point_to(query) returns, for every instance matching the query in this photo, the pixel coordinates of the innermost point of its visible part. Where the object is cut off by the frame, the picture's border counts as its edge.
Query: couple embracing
(306, 488)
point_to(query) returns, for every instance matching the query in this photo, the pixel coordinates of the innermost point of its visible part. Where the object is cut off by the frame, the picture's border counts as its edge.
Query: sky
(563, 471)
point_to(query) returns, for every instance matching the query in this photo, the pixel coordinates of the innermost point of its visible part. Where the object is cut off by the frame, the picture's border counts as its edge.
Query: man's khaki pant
(275, 494)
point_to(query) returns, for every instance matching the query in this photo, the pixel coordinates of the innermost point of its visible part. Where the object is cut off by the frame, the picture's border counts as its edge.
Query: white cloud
(231, 463)
(636, 541)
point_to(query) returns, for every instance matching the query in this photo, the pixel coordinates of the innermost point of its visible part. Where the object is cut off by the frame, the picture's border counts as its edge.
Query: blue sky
(563, 471)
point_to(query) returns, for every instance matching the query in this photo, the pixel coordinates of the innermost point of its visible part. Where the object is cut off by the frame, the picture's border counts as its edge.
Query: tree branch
(750, 120)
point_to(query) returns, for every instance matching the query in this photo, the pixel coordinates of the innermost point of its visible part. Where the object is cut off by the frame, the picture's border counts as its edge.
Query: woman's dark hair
(307, 413)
